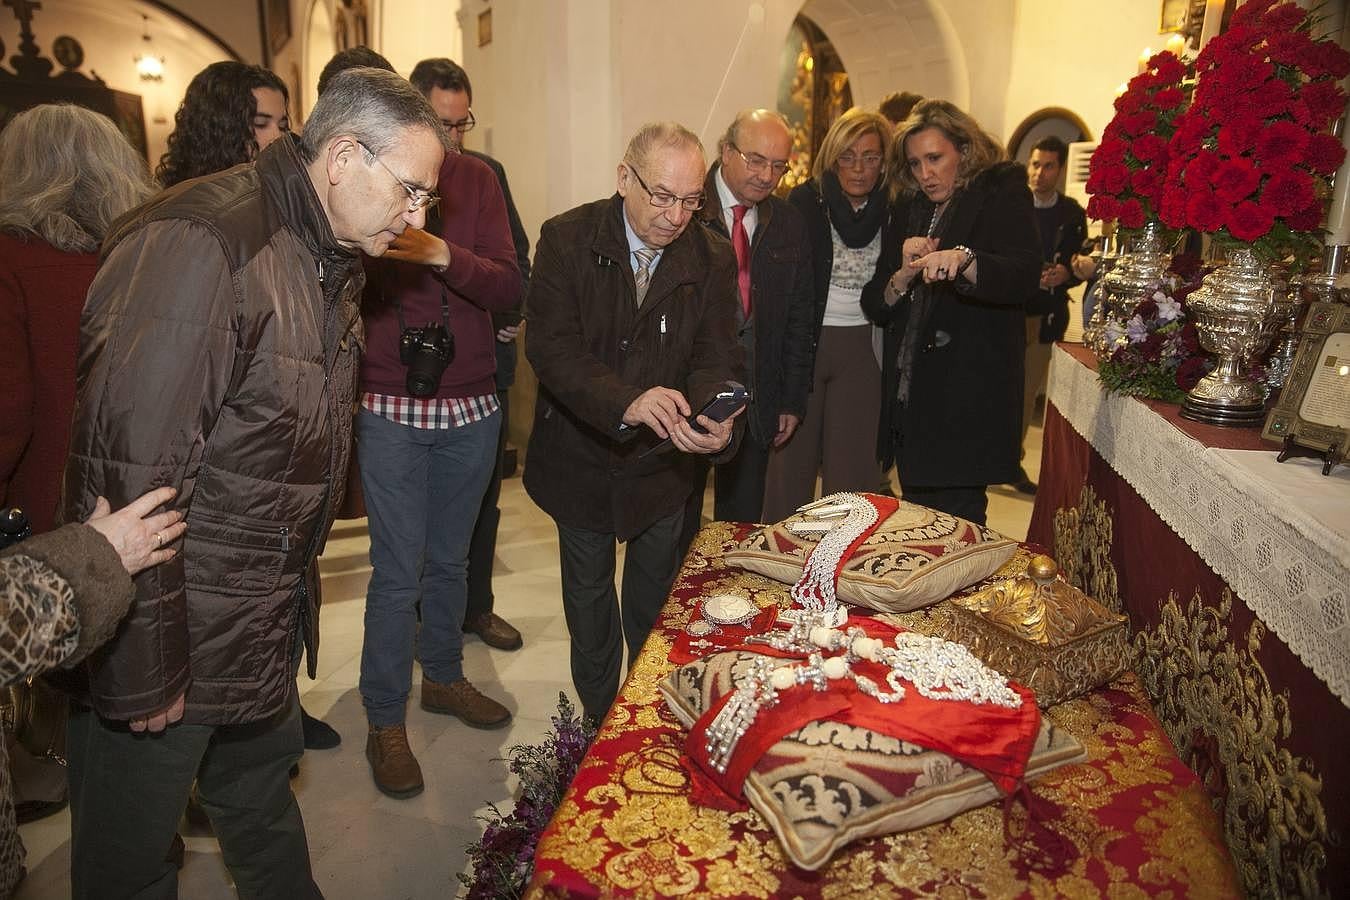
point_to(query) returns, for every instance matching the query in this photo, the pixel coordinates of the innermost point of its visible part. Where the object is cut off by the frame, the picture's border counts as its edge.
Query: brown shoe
(494, 630)
(459, 698)
(392, 762)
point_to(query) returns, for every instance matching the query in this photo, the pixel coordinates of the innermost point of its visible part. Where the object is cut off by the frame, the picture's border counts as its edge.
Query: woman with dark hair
(949, 290)
(230, 113)
(848, 219)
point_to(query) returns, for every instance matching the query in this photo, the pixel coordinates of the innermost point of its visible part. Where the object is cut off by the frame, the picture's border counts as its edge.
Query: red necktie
(740, 242)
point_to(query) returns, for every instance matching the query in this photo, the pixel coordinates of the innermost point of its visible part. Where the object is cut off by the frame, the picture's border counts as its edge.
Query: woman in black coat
(949, 290)
(848, 220)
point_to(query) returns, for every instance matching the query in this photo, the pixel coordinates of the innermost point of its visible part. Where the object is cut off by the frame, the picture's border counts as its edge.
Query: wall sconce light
(149, 66)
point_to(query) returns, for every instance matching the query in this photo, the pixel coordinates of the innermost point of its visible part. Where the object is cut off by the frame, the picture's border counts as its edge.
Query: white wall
(413, 30)
(1066, 54)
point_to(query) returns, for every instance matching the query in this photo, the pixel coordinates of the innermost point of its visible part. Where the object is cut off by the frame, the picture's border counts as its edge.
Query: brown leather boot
(495, 631)
(392, 763)
(459, 698)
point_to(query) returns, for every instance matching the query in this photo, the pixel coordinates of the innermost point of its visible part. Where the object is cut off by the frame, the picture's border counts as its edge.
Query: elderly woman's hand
(140, 539)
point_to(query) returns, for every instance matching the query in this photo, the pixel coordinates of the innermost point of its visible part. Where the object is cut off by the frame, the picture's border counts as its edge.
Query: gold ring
(159, 539)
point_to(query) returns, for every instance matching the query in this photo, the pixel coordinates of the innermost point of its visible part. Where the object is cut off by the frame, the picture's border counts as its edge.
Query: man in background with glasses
(447, 88)
(633, 320)
(427, 434)
(773, 274)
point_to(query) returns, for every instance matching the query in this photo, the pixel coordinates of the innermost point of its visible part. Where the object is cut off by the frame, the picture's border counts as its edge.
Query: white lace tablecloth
(1277, 533)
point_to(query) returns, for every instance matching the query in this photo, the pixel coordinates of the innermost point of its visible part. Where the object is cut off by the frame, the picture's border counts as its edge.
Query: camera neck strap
(445, 311)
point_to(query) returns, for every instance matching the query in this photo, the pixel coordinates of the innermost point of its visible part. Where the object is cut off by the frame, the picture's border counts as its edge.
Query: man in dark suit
(633, 312)
(776, 325)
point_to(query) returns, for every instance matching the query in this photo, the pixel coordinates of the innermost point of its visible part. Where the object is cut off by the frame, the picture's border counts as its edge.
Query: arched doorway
(813, 90)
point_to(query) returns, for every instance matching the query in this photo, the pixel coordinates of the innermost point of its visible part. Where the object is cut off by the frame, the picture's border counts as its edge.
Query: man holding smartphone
(633, 315)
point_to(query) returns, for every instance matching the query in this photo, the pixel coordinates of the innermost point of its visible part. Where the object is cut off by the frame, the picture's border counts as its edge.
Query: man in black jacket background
(773, 257)
(1063, 227)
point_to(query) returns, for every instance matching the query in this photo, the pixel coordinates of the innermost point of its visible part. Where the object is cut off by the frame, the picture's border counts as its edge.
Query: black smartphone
(720, 407)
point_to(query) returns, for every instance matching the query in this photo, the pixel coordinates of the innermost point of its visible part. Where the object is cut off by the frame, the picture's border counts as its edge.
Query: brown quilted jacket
(218, 354)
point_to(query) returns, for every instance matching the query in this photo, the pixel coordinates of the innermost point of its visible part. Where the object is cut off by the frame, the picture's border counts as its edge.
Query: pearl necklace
(936, 668)
(815, 589)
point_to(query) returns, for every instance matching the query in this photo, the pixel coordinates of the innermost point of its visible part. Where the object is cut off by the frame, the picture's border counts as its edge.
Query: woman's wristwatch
(965, 263)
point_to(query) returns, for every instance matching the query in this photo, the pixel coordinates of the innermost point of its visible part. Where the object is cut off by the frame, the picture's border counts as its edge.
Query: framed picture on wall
(276, 24)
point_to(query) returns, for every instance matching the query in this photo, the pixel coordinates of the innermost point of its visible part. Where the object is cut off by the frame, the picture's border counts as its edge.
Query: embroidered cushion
(916, 557)
(826, 784)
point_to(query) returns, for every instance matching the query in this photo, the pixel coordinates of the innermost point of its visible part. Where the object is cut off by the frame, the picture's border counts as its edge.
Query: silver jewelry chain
(815, 591)
(938, 669)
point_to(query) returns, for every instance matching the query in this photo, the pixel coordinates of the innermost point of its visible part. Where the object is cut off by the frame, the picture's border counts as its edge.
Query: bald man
(776, 322)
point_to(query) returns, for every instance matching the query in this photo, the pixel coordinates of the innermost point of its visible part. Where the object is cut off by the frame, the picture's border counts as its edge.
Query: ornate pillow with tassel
(828, 784)
(915, 557)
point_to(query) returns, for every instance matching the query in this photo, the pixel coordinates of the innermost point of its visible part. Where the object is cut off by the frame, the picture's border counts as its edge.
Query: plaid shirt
(431, 412)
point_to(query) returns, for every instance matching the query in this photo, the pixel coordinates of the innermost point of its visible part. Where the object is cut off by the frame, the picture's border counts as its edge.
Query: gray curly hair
(66, 174)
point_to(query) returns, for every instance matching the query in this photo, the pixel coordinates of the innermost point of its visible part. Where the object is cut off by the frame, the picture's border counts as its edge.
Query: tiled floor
(365, 845)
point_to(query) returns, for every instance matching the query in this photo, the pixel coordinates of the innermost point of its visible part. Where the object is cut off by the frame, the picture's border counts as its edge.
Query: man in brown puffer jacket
(218, 355)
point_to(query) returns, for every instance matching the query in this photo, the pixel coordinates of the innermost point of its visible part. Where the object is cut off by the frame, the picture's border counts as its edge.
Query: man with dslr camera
(426, 440)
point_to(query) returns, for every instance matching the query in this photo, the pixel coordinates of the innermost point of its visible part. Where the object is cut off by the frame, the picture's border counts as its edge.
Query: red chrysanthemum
(1308, 218)
(1235, 179)
(1325, 58)
(1148, 148)
(1130, 214)
(1324, 154)
(1101, 207)
(1237, 135)
(1169, 98)
(1204, 211)
(1171, 209)
(1325, 101)
(1287, 191)
(1249, 221)
(1146, 182)
(1280, 143)
(1200, 170)
(1251, 11)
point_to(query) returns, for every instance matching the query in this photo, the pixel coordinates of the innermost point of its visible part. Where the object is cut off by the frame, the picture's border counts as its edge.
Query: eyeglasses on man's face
(758, 165)
(665, 200)
(850, 160)
(418, 198)
(464, 124)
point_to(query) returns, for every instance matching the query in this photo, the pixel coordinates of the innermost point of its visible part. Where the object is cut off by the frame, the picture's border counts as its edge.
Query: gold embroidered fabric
(1216, 702)
(1131, 821)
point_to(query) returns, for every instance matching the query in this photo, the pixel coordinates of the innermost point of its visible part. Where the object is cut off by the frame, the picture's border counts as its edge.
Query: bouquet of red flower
(1125, 177)
(1251, 156)
(1158, 352)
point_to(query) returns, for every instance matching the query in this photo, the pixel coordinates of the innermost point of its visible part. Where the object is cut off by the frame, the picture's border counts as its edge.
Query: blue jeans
(423, 488)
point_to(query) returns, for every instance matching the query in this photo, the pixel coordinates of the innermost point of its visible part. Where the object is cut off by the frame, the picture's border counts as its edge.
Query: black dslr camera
(426, 351)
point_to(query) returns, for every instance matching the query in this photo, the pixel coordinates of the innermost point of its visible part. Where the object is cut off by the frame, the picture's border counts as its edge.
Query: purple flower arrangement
(1158, 353)
(502, 861)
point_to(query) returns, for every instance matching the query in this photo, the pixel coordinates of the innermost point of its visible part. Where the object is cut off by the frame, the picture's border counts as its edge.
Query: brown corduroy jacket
(595, 350)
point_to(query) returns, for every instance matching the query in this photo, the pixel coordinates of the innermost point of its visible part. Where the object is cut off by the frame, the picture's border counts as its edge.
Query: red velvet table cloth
(1132, 821)
(1266, 734)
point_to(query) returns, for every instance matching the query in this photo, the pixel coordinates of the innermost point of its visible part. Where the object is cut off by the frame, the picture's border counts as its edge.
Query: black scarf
(856, 227)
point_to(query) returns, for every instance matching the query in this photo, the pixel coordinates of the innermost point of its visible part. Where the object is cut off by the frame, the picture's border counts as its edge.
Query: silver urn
(1138, 272)
(1236, 310)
